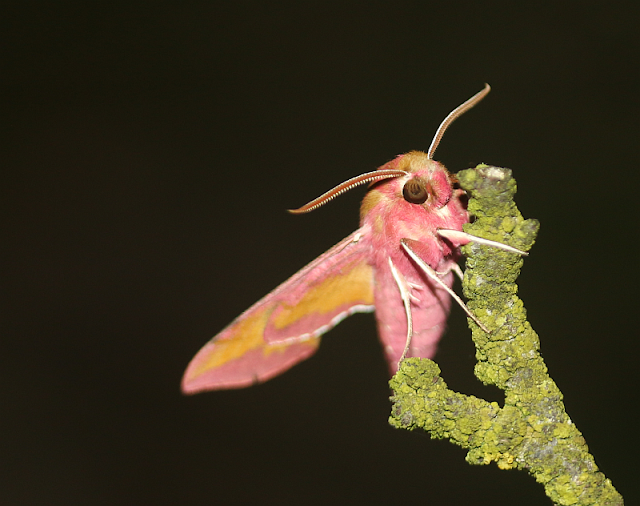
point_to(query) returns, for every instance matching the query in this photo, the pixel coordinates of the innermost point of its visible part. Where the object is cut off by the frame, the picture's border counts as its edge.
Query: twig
(532, 431)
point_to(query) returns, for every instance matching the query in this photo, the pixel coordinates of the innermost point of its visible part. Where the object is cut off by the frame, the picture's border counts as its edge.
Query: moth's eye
(415, 191)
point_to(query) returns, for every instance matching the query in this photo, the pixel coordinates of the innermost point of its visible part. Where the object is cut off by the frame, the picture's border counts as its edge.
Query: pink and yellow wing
(284, 327)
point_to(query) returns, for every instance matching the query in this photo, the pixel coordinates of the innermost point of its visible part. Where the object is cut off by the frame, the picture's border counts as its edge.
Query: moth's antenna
(376, 175)
(456, 113)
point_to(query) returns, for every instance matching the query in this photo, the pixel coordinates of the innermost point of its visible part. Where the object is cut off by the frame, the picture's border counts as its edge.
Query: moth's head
(424, 183)
(415, 176)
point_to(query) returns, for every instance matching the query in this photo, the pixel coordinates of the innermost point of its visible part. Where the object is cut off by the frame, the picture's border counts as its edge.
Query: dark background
(148, 151)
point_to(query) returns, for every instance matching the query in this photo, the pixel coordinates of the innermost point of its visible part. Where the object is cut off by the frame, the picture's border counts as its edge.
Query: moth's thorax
(392, 217)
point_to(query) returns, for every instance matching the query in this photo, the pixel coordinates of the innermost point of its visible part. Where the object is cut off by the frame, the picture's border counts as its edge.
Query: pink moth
(400, 263)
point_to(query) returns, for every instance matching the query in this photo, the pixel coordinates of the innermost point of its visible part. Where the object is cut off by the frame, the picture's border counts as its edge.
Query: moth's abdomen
(429, 311)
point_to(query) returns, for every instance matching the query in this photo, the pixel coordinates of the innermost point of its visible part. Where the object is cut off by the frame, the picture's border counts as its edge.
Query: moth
(400, 263)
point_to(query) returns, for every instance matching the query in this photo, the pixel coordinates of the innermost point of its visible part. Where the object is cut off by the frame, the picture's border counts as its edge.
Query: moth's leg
(455, 268)
(460, 237)
(434, 276)
(405, 295)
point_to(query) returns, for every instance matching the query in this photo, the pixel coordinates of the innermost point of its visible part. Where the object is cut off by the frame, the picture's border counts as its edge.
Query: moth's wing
(284, 327)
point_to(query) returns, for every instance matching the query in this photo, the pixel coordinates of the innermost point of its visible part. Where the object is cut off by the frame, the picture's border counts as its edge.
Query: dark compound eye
(415, 191)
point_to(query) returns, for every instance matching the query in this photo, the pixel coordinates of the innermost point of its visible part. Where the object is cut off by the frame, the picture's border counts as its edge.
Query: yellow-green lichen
(532, 430)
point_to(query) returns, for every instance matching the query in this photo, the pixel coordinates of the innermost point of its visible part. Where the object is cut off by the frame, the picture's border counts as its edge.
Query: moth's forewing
(284, 327)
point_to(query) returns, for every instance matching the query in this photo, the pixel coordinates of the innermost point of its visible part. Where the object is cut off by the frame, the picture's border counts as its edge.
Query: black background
(148, 151)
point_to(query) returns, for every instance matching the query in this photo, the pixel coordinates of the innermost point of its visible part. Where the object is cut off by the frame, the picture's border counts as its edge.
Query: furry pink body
(392, 219)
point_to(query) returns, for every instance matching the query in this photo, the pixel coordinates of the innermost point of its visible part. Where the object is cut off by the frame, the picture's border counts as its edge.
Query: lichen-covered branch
(532, 431)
